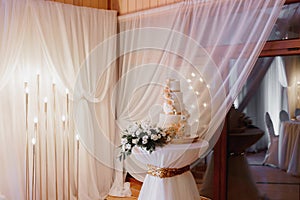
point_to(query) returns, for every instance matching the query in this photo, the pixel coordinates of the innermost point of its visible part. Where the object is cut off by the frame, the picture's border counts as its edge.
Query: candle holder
(54, 135)
(46, 142)
(26, 142)
(63, 119)
(68, 145)
(77, 162)
(33, 186)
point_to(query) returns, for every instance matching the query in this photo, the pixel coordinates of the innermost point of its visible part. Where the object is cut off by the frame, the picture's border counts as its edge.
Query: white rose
(163, 134)
(124, 140)
(138, 132)
(145, 137)
(159, 136)
(154, 137)
(128, 146)
(145, 141)
(123, 148)
(148, 132)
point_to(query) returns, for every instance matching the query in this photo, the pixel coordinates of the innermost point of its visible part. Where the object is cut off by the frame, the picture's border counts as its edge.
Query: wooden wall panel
(122, 6)
(100, 4)
(130, 6)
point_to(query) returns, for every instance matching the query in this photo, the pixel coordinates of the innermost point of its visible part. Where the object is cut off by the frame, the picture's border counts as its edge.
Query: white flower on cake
(174, 117)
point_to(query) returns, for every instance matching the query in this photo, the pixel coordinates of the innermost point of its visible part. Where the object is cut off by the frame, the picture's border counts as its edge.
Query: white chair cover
(284, 116)
(271, 157)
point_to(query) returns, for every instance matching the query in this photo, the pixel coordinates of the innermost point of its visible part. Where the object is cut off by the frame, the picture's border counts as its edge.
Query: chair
(297, 112)
(284, 116)
(271, 157)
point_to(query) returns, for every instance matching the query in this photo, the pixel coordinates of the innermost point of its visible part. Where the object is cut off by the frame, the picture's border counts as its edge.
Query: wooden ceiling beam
(291, 1)
(281, 48)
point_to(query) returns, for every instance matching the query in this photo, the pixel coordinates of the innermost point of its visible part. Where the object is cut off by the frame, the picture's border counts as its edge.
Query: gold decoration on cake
(166, 172)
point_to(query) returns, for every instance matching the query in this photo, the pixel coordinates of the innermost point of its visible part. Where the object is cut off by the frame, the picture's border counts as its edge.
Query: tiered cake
(174, 116)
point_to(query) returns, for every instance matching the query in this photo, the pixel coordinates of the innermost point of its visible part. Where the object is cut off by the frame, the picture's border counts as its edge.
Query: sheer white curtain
(193, 41)
(47, 45)
(10, 13)
(270, 96)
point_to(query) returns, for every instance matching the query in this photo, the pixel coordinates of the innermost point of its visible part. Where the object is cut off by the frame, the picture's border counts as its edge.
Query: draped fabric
(66, 75)
(44, 53)
(210, 46)
(262, 99)
(249, 93)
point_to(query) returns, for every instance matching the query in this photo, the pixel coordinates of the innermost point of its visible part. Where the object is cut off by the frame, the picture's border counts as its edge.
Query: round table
(175, 158)
(289, 147)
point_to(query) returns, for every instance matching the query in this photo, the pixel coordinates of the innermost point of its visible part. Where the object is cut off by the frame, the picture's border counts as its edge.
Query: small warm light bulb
(191, 87)
(63, 118)
(193, 106)
(201, 80)
(189, 80)
(67, 91)
(26, 90)
(197, 93)
(35, 120)
(193, 74)
(196, 120)
(208, 86)
(298, 83)
(45, 100)
(205, 105)
(77, 137)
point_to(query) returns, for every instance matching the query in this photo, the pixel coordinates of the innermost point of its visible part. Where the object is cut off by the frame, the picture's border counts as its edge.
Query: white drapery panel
(44, 44)
(269, 96)
(195, 42)
(10, 13)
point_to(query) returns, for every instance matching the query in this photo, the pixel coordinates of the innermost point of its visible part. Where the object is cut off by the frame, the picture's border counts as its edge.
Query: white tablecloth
(289, 147)
(178, 187)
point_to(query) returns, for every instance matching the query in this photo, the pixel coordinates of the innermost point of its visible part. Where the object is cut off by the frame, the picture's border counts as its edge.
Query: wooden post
(220, 165)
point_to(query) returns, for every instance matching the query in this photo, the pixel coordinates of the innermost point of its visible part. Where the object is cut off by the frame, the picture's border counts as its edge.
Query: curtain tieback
(166, 172)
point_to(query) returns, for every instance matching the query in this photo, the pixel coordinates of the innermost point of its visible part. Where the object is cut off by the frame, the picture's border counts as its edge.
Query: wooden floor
(273, 183)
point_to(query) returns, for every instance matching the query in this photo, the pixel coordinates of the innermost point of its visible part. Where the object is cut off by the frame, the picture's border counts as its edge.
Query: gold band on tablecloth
(166, 172)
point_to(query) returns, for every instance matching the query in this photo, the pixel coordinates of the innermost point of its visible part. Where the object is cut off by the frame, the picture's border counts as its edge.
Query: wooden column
(220, 165)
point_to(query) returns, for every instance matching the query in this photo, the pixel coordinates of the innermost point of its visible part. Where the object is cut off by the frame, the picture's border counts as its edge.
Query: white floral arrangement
(143, 135)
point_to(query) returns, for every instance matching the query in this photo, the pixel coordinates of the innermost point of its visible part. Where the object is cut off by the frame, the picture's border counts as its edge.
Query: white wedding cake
(174, 116)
